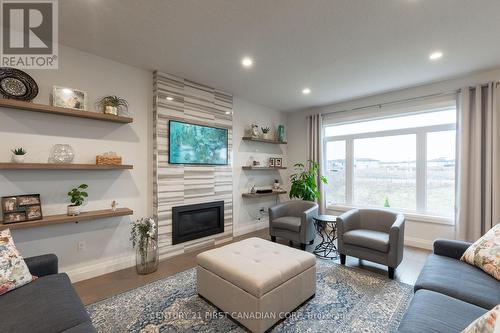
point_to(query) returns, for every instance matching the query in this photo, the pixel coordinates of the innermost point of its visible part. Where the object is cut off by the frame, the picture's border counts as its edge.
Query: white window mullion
(349, 175)
(421, 171)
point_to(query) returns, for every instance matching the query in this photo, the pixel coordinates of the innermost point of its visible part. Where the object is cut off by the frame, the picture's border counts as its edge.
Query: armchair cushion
(370, 239)
(288, 223)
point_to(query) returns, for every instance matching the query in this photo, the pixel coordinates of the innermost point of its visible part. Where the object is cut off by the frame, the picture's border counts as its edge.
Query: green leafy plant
(304, 181)
(77, 196)
(115, 101)
(265, 129)
(19, 151)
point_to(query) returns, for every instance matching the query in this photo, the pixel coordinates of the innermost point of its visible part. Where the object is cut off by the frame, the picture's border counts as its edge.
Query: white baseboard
(245, 229)
(419, 242)
(99, 268)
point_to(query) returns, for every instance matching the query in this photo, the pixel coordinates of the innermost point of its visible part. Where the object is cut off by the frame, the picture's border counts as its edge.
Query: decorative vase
(62, 154)
(18, 158)
(266, 136)
(108, 109)
(147, 257)
(74, 210)
(281, 133)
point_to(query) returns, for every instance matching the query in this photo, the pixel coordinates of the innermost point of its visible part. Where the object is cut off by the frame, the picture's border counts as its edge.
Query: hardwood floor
(104, 286)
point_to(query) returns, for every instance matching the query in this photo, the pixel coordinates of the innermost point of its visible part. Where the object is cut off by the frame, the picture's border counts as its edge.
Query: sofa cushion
(433, 312)
(375, 240)
(459, 280)
(14, 272)
(485, 253)
(256, 265)
(487, 323)
(288, 223)
(48, 304)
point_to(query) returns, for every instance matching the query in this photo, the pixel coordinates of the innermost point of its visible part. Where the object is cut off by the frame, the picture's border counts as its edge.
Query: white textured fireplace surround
(178, 185)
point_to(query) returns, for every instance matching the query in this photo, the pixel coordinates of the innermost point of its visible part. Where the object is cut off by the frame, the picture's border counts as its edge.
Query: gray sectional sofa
(47, 305)
(449, 294)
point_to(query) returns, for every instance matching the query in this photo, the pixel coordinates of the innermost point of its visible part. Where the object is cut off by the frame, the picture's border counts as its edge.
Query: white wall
(107, 241)
(417, 233)
(246, 210)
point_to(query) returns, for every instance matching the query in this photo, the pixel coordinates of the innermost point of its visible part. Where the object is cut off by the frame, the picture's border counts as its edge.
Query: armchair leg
(303, 246)
(273, 239)
(290, 243)
(342, 259)
(391, 273)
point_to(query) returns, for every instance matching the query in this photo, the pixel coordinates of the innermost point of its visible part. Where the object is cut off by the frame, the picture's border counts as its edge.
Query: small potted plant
(113, 105)
(266, 135)
(143, 237)
(77, 197)
(18, 155)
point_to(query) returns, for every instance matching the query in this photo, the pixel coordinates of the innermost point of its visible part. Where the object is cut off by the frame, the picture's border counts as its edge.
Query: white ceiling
(341, 49)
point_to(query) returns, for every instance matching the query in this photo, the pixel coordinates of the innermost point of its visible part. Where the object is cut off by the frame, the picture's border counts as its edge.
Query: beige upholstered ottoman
(255, 281)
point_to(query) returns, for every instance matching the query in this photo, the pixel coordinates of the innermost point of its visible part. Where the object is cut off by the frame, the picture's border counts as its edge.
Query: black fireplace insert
(196, 221)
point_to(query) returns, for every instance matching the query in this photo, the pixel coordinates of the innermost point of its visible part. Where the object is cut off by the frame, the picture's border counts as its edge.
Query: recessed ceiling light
(436, 55)
(247, 62)
(170, 98)
(306, 91)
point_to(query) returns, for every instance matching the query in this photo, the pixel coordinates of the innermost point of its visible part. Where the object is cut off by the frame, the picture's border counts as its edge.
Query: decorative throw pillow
(485, 253)
(13, 270)
(487, 323)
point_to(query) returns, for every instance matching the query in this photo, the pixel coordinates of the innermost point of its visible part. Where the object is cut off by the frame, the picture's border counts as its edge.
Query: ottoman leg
(303, 246)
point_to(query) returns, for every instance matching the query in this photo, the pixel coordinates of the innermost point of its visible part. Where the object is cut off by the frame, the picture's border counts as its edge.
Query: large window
(405, 162)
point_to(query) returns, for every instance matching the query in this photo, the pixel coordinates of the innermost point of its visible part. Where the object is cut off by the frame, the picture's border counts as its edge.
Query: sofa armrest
(46, 264)
(450, 248)
(396, 241)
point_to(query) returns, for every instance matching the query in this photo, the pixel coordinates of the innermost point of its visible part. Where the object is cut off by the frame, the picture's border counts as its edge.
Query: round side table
(326, 226)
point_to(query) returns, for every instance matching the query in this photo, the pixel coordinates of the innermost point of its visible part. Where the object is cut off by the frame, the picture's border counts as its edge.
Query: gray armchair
(293, 220)
(373, 234)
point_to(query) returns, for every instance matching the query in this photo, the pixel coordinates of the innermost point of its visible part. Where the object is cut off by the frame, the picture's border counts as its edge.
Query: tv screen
(196, 144)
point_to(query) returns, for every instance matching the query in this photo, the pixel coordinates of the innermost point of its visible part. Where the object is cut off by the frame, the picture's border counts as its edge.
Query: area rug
(347, 300)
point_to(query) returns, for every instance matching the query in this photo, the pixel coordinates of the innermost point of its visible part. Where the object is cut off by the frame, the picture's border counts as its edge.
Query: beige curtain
(478, 187)
(315, 150)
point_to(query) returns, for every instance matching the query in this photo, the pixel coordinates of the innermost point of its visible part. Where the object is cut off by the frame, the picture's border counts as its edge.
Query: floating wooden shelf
(63, 218)
(262, 168)
(276, 142)
(53, 166)
(260, 195)
(27, 106)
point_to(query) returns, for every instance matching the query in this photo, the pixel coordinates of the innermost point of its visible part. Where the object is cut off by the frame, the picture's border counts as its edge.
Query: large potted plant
(143, 237)
(77, 197)
(304, 181)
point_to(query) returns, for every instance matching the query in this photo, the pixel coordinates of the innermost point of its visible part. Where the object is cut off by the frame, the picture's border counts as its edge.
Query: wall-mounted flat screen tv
(196, 144)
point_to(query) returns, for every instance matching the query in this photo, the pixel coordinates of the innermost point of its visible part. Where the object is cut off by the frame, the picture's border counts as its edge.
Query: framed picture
(272, 162)
(69, 98)
(279, 162)
(27, 207)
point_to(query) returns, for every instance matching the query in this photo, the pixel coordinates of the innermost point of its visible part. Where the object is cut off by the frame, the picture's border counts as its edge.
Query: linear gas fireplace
(197, 221)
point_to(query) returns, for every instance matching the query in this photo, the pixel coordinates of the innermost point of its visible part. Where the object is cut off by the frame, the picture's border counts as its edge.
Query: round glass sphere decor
(62, 154)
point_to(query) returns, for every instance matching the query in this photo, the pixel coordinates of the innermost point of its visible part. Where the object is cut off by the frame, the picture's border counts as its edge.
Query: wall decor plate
(16, 84)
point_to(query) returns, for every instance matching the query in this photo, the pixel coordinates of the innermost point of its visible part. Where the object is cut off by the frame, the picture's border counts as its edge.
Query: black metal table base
(326, 249)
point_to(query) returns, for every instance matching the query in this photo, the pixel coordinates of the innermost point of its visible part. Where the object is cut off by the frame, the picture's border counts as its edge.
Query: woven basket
(108, 160)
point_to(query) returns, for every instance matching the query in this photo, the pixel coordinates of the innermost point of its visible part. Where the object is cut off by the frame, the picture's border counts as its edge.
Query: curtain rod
(379, 105)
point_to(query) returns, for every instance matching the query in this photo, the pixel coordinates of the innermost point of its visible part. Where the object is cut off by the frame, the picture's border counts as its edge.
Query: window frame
(420, 213)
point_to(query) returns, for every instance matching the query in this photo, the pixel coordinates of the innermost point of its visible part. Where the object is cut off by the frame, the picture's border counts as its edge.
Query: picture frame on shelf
(272, 162)
(69, 98)
(279, 162)
(21, 208)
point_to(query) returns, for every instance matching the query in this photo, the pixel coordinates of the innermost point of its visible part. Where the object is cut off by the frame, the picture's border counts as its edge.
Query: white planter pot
(73, 210)
(266, 136)
(111, 110)
(18, 158)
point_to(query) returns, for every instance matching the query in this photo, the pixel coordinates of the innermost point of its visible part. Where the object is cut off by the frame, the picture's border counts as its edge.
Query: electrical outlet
(81, 246)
